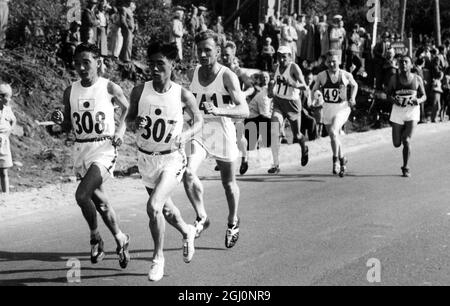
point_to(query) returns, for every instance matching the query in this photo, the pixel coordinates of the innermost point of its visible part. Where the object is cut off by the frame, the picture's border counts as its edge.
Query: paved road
(303, 227)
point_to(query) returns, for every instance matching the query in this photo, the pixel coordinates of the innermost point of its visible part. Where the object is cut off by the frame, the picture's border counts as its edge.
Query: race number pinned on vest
(332, 95)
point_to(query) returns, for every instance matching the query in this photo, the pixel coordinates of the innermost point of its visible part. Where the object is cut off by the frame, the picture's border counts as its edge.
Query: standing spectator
(89, 23)
(301, 34)
(219, 29)
(70, 43)
(324, 36)
(176, 35)
(127, 26)
(379, 53)
(419, 70)
(337, 36)
(267, 54)
(102, 41)
(7, 122)
(310, 55)
(116, 34)
(194, 21)
(344, 43)
(4, 14)
(289, 35)
(353, 57)
(270, 30)
(436, 95)
(201, 19)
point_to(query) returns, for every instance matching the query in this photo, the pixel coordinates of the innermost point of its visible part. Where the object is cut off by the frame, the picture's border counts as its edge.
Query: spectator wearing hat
(89, 23)
(176, 35)
(201, 19)
(4, 14)
(128, 27)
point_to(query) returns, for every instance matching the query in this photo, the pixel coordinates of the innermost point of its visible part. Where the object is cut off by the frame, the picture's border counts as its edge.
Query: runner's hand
(57, 117)
(211, 109)
(141, 122)
(117, 140)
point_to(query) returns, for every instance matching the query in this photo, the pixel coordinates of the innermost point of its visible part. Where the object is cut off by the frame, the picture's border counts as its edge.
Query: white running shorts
(400, 115)
(152, 166)
(334, 112)
(86, 154)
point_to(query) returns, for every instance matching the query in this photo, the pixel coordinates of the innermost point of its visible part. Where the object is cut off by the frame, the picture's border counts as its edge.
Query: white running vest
(282, 89)
(92, 110)
(219, 133)
(164, 114)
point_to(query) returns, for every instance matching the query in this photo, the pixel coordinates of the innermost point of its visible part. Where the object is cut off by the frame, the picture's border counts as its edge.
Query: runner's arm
(117, 92)
(421, 91)
(191, 108)
(241, 111)
(134, 107)
(390, 90)
(65, 122)
(298, 75)
(354, 89)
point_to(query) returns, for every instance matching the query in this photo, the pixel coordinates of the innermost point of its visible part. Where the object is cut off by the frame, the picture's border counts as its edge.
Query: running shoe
(336, 166)
(188, 244)
(305, 157)
(156, 272)
(232, 234)
(244, 168)
(406, 172)
(274, 170)
(124, 255)
(201, 225)
(97, 250)
(343, 166)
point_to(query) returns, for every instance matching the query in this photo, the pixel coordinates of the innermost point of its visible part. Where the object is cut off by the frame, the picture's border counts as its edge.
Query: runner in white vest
(220, 99)
(285, 90)
(89, 111)
(156, 113)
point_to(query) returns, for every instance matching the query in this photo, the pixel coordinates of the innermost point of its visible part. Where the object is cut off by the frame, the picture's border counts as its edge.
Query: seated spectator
(70, 41)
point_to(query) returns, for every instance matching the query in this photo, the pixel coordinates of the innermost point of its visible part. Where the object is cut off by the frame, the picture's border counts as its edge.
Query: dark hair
(170, 51)
(230, 44)
(87, 47)
(205, 35)
(420, 61)
(441, 49)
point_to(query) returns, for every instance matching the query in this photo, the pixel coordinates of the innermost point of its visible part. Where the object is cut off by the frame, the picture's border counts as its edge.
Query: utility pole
(437, 19)
(402, 26)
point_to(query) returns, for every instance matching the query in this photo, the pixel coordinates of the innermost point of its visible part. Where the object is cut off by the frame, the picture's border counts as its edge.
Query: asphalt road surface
(303, 227)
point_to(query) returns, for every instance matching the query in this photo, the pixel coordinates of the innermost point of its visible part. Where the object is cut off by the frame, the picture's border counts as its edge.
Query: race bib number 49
(332, 95)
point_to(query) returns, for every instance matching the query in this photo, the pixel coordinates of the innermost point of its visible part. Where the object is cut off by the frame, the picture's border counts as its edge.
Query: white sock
(120, 236)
